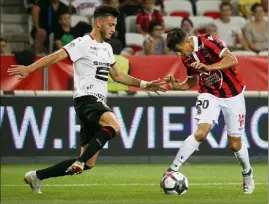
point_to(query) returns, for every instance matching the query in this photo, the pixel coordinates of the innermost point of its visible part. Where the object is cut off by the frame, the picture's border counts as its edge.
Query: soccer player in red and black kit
(221, 89)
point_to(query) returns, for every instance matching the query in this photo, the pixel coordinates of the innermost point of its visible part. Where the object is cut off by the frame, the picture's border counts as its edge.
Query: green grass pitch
(136, 184)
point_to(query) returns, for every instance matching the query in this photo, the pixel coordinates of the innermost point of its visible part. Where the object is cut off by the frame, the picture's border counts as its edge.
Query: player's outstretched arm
(24, 71)
(175, 84)
(120, 77)
(228, 60)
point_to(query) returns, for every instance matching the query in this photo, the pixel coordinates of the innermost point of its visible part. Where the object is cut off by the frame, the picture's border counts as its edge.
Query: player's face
(108, 27)
(185, 48)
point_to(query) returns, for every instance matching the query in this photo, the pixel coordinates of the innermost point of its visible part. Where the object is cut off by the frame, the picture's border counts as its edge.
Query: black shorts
(89, 111)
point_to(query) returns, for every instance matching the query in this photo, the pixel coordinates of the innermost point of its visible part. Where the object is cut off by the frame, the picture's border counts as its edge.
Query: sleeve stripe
(222, 51)
(67, 54)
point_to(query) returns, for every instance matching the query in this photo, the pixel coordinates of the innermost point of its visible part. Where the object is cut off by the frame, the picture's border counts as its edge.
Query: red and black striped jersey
(223, 83)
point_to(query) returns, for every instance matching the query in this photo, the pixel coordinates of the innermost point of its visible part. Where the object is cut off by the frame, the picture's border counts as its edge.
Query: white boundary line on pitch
(124, 184)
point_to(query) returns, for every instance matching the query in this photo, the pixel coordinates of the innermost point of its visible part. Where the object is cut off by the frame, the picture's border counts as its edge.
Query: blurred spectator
(148, 15)
(245, 7)
(235, 4)
(130, 7)
(120, 27)
(228, 29)
(64, 34)
(187, 26)
(211, 28)
(86, 7)
(3, 46)
(160, 6)
(256, 31)
(265, 6)
(46, 20)
(193, 4)
(154, 43)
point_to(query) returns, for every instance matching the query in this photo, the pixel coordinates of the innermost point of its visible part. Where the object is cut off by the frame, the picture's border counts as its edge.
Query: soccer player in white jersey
(93, 60)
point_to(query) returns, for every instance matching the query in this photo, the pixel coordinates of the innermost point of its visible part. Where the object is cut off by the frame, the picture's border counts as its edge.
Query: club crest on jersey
(211, 79)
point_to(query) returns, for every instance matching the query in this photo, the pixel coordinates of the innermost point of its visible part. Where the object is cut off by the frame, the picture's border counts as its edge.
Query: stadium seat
(200, 22)
(134, 40)
(208, 8)
(130, 24)
(263, 53)
(171, 22)
(28, 4)
(178, 8)
(76, 18)
(244, 53)
(240, 21)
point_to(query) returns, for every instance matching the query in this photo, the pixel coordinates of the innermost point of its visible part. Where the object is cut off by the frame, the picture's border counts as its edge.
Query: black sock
(57, 170)
(97, 143)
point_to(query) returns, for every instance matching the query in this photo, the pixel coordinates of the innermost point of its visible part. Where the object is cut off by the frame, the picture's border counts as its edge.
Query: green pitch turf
(136, 184)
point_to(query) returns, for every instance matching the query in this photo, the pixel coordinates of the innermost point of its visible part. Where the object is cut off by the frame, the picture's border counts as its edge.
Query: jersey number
(204, 104)
(102, 73)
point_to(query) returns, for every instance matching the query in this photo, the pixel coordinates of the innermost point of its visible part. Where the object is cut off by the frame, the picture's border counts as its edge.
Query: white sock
(184, 152)
(243, 158)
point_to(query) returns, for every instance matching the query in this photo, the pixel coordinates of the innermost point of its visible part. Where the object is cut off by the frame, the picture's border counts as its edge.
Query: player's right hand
(172, 82)
(20, 70)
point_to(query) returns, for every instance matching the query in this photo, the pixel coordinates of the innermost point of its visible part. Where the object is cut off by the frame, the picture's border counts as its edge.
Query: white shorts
(208, 108)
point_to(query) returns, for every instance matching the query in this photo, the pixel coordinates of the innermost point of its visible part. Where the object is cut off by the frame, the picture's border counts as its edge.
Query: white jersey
(92, 61)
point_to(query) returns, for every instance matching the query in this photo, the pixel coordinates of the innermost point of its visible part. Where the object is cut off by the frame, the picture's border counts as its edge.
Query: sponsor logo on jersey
(101, 63)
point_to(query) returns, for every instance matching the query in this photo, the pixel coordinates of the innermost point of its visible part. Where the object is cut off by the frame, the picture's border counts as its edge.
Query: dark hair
(175, 37)
(255, 6)
(225, 3)
(2, 39)
(64, 13)
(186, 19)
(105, 10)
(154, 24)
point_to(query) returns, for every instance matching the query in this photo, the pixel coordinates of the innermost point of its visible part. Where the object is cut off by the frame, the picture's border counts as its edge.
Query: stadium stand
(14, 24)
(208, 8)
(174, 8)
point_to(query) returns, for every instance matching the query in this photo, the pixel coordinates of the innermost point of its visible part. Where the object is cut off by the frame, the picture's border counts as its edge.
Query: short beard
(103, 35)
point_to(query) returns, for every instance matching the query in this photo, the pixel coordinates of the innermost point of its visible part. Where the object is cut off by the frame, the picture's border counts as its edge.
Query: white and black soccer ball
(174, 183)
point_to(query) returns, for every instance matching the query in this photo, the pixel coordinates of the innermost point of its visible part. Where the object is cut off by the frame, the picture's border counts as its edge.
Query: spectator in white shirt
(85, 7)
(229, 30)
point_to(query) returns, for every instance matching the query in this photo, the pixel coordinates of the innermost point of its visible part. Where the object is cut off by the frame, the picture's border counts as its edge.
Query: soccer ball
(174, 183)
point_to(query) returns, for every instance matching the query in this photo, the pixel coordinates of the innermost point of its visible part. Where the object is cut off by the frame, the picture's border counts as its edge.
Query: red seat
(180, 13)
(212, 14)
(136, 48)
(201, 31)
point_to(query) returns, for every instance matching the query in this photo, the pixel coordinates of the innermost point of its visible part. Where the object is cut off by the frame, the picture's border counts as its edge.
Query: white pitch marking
(125, 184)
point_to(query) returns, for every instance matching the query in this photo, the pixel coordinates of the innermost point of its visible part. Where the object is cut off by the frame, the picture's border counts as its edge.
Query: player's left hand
(156, 85)
(198, 65)
(21, 71)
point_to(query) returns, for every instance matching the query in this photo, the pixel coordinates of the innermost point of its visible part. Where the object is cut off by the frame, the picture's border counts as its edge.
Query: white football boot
(248, 182)
(76, 168)
(34, 182)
